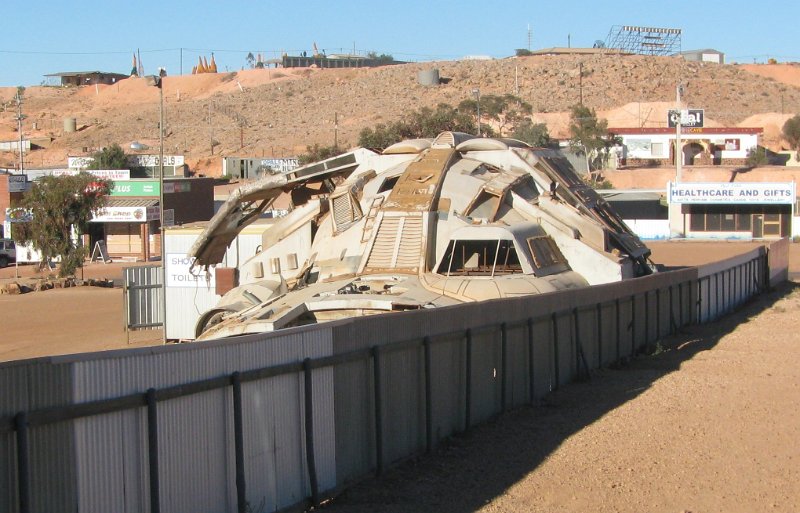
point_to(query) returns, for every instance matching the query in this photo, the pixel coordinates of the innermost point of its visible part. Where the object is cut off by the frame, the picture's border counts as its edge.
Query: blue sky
(55, 35)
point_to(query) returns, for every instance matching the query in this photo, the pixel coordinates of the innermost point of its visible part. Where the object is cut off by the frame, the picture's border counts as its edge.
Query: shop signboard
(283, 165)
(127, 215)
(152, 160)
(169, 217)
(135, 188)
(79, 162)
(181, 274)
(732, 193)
(689, 118)
(175, 187)
(108, 174)
(18, 183)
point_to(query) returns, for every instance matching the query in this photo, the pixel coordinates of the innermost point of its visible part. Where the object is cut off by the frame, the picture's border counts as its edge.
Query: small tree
(756, 157)
(507, 111)
(791, 132)
(589, 136)
(535, 134)
(424, 123)
(381, 59)
(316, 153)
(110, 157)
(56, 205)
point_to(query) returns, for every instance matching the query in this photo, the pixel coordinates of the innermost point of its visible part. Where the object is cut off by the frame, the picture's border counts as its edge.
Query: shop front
(648, 147)
(129, 228)
(732, 210)
(129, 223)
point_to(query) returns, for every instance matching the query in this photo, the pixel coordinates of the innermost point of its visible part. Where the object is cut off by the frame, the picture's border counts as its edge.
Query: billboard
(18, 183)
(690, 118)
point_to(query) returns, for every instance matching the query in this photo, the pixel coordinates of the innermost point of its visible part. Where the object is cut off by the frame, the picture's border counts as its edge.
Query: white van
(8, 252)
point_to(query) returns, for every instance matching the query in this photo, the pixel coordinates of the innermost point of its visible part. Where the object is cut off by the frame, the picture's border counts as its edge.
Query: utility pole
(678, 150)
(19, 118)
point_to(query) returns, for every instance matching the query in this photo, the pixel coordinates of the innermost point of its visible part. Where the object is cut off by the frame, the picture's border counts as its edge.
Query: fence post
(309, 426)
(658, 314)
(554, 321)
(580, 357)
(426, 344)
(378, 400)
(680, 304)
(23, 462)
(646, 317)
(531, 372)
(152, 448)
(672, 326)
(633, 325)
(503, 365)
(599, 335)
(468, 381)
(619, 331)
(699, 301)
(238, 438)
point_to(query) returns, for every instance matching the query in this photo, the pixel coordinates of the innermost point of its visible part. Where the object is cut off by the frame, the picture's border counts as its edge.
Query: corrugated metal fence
(142, 295)
(291, 417)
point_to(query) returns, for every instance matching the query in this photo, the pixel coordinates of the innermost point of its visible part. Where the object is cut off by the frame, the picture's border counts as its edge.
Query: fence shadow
(468, 471)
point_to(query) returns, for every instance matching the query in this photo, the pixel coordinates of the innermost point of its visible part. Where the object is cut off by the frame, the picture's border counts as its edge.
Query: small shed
(81, 78)
(707, 55)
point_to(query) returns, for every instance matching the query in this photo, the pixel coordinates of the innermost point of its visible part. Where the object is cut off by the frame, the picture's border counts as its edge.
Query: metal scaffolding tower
(644, 40)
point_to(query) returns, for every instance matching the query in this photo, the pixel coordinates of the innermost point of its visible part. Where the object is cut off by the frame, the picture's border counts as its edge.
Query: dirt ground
(66, 321)
(708, 425)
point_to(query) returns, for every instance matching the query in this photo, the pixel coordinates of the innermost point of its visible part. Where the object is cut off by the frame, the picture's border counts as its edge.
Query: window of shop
(738, 218)
(657, 150)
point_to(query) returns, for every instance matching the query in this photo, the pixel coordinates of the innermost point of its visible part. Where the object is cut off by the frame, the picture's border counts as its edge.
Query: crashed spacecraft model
(424, 224)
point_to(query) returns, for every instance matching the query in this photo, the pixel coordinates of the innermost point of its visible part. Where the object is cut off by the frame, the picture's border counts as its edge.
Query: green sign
(135, 188)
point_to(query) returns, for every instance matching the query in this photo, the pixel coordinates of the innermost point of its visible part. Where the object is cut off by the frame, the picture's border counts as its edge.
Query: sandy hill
(279, 112)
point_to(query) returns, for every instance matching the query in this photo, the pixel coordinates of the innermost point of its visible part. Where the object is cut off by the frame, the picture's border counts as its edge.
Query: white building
(732, 210)
(646, 147)
(705, 55)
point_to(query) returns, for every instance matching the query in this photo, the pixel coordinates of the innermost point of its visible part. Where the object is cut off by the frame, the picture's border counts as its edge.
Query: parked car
(8, 252)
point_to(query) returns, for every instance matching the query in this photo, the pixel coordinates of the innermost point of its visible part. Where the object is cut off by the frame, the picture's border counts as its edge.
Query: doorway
(758, 226)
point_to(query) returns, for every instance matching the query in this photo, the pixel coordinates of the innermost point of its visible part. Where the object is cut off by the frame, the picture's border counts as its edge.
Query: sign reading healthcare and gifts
(732, 192)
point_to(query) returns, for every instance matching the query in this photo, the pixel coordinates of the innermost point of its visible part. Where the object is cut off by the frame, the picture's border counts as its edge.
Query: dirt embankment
(278, 112)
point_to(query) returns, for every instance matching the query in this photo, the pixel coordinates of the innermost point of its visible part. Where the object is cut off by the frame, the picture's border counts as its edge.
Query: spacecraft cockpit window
(480, 258)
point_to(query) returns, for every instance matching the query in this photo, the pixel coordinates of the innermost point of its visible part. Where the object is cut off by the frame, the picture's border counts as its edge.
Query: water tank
(70, 125)
(428, 77)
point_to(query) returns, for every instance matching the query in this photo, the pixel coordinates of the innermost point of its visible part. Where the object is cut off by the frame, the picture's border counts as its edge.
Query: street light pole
(158, 81)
